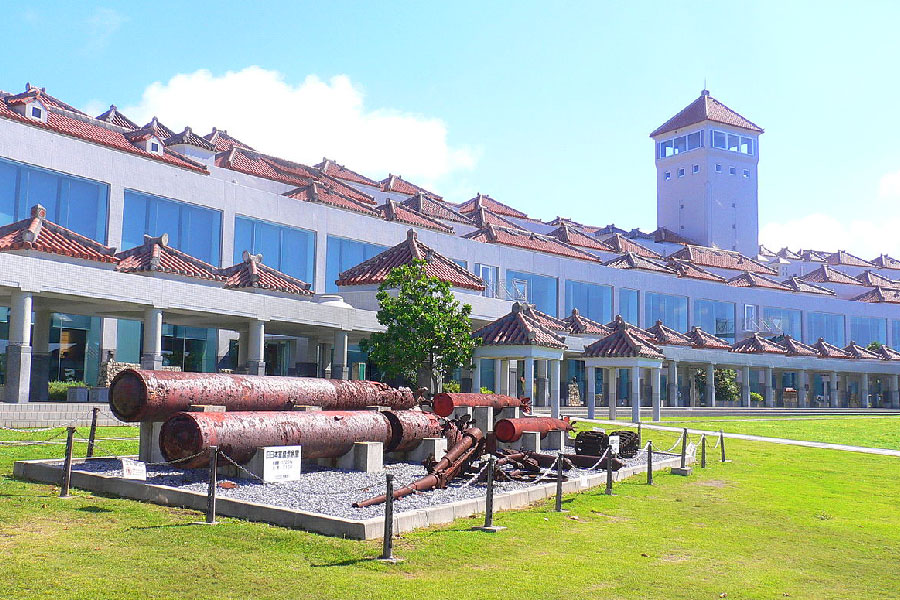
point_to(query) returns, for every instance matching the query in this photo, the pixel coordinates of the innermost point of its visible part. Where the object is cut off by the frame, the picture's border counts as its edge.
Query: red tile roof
(38, 234)
(854, 350)
(155, 255)
(667, 336)
(623, 343)
(721, 259)
(634, 261)
(706, 108)
(827, 274)
(747, 279)
(663, 235)
(826, 350)
(880, 294)
(31, 91)
(886, 262)
(702, 339)
(89, 130)
(224, 142)
(252, 273)
(519, 328)
(763, 251)
(621, 244)
(154, 127)
(813, 255)
(558, 221)
(570, 235)
(435, 209)
(578, 324)
(333, 169)
(796, 347)
(788, 254)
(692, 271)
(529, 241)
(394, 211)
(376, 269)
(190, 138)
(798, 285)
(877, 280)
(755, 344)
(485, 201)
(322, 194)
(633, 329)
(395, 183)
(845, 258)
(887, 353)
(551, 323)
(484, 217)
(114, 117)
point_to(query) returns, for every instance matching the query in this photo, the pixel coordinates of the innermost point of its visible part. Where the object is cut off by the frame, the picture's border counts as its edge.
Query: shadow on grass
(94, 509)
(346, 563)
(169, 526)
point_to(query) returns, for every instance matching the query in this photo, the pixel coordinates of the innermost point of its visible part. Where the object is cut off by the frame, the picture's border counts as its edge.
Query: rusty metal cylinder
(445, 402)
(139, 395)
(323, 434)
(510, 430)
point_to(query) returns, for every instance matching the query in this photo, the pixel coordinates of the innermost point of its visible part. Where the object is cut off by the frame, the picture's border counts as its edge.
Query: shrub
(60, 389)
(485, 390)
(756, 397)
(452, 387)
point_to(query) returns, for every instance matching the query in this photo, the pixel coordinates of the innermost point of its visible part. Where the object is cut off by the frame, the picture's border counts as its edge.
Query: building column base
(40, 377)
(18, 373)
(256, 367)
(152, 362)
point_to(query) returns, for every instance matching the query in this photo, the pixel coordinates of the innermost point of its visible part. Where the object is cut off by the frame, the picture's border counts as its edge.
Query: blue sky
(544, 106)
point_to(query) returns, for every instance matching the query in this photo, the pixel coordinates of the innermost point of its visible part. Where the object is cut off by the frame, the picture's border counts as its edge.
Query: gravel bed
(332, 491)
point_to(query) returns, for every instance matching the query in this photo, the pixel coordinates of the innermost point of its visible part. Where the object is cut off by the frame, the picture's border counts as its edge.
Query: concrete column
(655, 385)
(770, 389)
(864, 391)
(498, 376)
(243, 342)
(591, 374)
(610, 382)
(893, 388)
(710, 385)
(256, 346)
(745, 386)
(542, 389)
(325, 359)
(18, 352)
(529, 379)
(802, 392)
(476, 376)
(635, 394)
(40, 357)
(151, 353)
(554, 388)
(833, 399)
(340, 369)
(672, 384)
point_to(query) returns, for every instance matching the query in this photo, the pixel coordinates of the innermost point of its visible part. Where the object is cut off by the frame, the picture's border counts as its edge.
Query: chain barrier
(718, 439)
(35, 442)
(597, 464)
(544, 473)
(36, 430)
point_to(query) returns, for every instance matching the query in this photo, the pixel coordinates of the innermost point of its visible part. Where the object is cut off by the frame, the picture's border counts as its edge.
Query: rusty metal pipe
(445, 402)
(140, 395)
(454, 461)
(510, 430)
(323, 434)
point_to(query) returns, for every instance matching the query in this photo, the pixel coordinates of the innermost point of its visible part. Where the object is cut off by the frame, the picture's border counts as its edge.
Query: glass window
(681, 172)
(490, 275)
(825, 325)
(534, 289)
(36, 112)
(715, 317)
(718, 168)
(628, 305)
(128, 341)
(665, 149)
(592, 300)
(695, 169)
(746, 173)
(668, 175)
(464, 264)
(680, 144)
(288, 249)
(781, 320)
(694, 140)
(73, 202)
(191, 348)
(719, 139)
(341, 254)
(746, 145)
(671, 310)
(895, 333)
(731, 170)
(192, 229)
(734, 142)
(865, 330)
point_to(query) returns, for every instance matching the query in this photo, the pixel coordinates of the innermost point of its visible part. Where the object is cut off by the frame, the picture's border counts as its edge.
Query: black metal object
(684, 448)
(559, 481)
(67, 465)
(93, 433)
(387, 548)
(211, 492)
(703, 452)
(649, 463)
(489, 494)
(629, 443)
(722, 444)
(592, 443)
(609, 475)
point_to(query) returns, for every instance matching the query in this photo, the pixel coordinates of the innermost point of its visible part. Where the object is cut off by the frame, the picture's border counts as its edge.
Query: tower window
(718, 168)
(154, 147)
(732, 142)
(746, 173)
(668, 175)
(695, 169)
(36, 112)
(681, 172)
(732, 170)
(679, 144)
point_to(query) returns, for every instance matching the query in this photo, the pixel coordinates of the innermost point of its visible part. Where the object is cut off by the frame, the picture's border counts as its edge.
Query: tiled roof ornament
(38, 214)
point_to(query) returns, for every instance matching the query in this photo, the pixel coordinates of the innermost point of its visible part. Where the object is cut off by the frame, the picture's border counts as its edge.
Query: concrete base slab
(684, 472)
(555, 441)
(391, 561)
(491, 529)
(434, 447)
(366, 457)
(483, 417)
(529, 442)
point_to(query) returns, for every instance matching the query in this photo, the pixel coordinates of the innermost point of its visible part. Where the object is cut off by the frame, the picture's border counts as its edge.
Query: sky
(544, 106)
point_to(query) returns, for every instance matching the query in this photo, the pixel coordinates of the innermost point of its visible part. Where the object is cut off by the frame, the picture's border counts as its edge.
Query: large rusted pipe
(139, 395)
(323, 434)
(510, 430)
(445, 402)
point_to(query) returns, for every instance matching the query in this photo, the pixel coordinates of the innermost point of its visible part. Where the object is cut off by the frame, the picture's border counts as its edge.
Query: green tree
(874, 346)
(727, 388)
(427, 332)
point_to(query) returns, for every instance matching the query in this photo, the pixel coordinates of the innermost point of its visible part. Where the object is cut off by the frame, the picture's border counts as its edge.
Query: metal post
(559, 481)
(93, 433)
(684, 448)
(211, 492)
(489, 498)
(649, 463)
(639, 434)
(609, 457)
(703, 452)
(67, 466)
(387, 552)
(722, 444)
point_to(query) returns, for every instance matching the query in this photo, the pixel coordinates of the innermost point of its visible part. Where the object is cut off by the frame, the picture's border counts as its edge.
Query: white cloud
(101, 25)
(307, 121)
(866, 238)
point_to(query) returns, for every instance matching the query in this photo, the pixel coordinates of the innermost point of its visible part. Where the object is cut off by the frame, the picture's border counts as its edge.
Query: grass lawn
(779, 521)
(874, 432)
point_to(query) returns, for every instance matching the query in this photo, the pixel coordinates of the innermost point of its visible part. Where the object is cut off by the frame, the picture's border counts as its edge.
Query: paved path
(756, 438)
